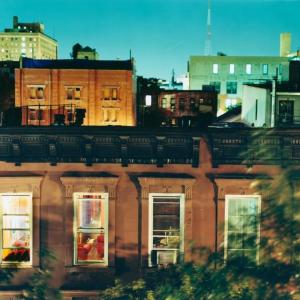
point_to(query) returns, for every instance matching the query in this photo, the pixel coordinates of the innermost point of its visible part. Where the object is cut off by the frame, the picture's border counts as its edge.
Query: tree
(75, 49)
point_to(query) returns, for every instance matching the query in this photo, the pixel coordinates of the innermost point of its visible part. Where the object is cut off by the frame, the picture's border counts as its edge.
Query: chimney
(15, 22)
(285, 43)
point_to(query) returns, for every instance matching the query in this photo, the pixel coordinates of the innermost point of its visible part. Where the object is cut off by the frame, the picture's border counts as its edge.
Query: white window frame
(227, 199)
(231, 68)
(181, 198)
(17, 263)
(104, 198)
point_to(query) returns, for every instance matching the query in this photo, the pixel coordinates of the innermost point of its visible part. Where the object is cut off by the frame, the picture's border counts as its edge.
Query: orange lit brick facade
(108, 96)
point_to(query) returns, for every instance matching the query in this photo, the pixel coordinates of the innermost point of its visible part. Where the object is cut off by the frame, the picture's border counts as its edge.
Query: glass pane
(90, 213)
(16, 238)
(169, 242)
(10, 222)
(235, 223)
(15, 205)
(250, 241)
(16, 255)
(90, 246)
(235, 240)
(232, 211)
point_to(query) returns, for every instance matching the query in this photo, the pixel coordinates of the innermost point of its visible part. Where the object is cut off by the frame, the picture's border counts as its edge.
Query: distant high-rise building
(285, 43)
(28, 40)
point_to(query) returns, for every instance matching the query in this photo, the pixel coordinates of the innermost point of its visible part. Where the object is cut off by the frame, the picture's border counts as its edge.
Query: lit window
(148, 100)
(110, 93)
(166, 223)
(248, 69)
(36, 92)
(73, 93)
(215, 68)
(90, 228)
(230, 102)
(265, 69)
(16, 233)
(231, 68)
(242, 227)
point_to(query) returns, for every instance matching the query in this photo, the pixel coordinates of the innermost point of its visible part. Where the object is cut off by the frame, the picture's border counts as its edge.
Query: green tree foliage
(38, 286)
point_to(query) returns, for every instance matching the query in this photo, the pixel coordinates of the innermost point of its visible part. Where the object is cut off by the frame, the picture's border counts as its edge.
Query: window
(111, 93)
(230, 102)
(193, 105)
(181, 104)
(90, 228)
(173, 104)
(265, 69)
(73, 93)
(242, 227)
(216, 85)
(231, 68)
(16, 225)
(166, 228)
(165, 103)
(36, 92)
(231, 87)
(248, 69)
(36, 114)
(215, 68)
(148, 100)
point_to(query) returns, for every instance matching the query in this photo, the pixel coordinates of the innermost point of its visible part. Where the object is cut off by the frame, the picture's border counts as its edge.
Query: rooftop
(77, 64)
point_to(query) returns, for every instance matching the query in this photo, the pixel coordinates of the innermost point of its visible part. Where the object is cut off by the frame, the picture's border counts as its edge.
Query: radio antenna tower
(207, 50)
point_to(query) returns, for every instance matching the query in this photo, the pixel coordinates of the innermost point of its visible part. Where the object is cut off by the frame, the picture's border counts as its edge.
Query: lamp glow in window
(16, 224)
(242, 227)
(148, 100)
(91, 228)
(166, 228)
(215, 68)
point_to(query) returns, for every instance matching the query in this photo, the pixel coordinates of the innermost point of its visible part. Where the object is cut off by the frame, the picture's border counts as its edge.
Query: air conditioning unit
(166, 257)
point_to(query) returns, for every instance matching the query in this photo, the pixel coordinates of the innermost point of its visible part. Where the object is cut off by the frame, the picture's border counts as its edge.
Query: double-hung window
(16, 228)
(166, 228)
(90, 228)
(242, 226)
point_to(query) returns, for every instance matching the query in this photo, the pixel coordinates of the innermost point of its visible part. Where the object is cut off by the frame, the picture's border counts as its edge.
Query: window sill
(88, 268)
(16, 266)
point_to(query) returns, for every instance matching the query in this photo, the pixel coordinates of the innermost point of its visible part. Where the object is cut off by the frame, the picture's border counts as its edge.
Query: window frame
(181, 198)
(17, 263)
(227, 198)
(91, 230)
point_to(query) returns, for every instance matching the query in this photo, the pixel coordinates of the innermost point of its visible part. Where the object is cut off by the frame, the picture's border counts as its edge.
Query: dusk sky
(161, 34)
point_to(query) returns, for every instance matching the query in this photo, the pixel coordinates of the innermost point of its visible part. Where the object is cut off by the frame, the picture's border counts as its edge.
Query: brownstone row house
(115, 200)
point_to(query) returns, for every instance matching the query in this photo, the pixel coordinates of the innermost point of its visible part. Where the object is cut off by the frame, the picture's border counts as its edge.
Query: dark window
(181, 104)
(173, 104)
(216, 85)
(231, 87)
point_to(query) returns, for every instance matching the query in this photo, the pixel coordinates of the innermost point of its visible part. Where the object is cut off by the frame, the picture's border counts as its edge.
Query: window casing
(90, 228)
(166, 228)
(242, 227)
(16, 229)
(231, 87)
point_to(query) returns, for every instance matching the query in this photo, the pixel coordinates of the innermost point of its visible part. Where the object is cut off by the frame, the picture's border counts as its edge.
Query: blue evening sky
(162, 34)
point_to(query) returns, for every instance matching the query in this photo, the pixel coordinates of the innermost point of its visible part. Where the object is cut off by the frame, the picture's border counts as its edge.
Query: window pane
(70, 93)
(89, 213)
(15, 204)
(15, 238)
(90, 246)
(106, 93)
(10, 222)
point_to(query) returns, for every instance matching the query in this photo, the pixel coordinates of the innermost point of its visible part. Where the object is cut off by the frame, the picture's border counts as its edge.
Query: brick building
(184, 108)
(104, 89)
(124, 200)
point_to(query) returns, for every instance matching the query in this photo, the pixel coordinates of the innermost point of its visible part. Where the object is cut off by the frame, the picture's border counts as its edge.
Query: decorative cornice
(90, 185)
(20, 184)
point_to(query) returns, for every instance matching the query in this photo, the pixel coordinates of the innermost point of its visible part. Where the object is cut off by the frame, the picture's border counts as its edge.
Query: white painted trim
(227, 198)
(181, 198)
(104, 200)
